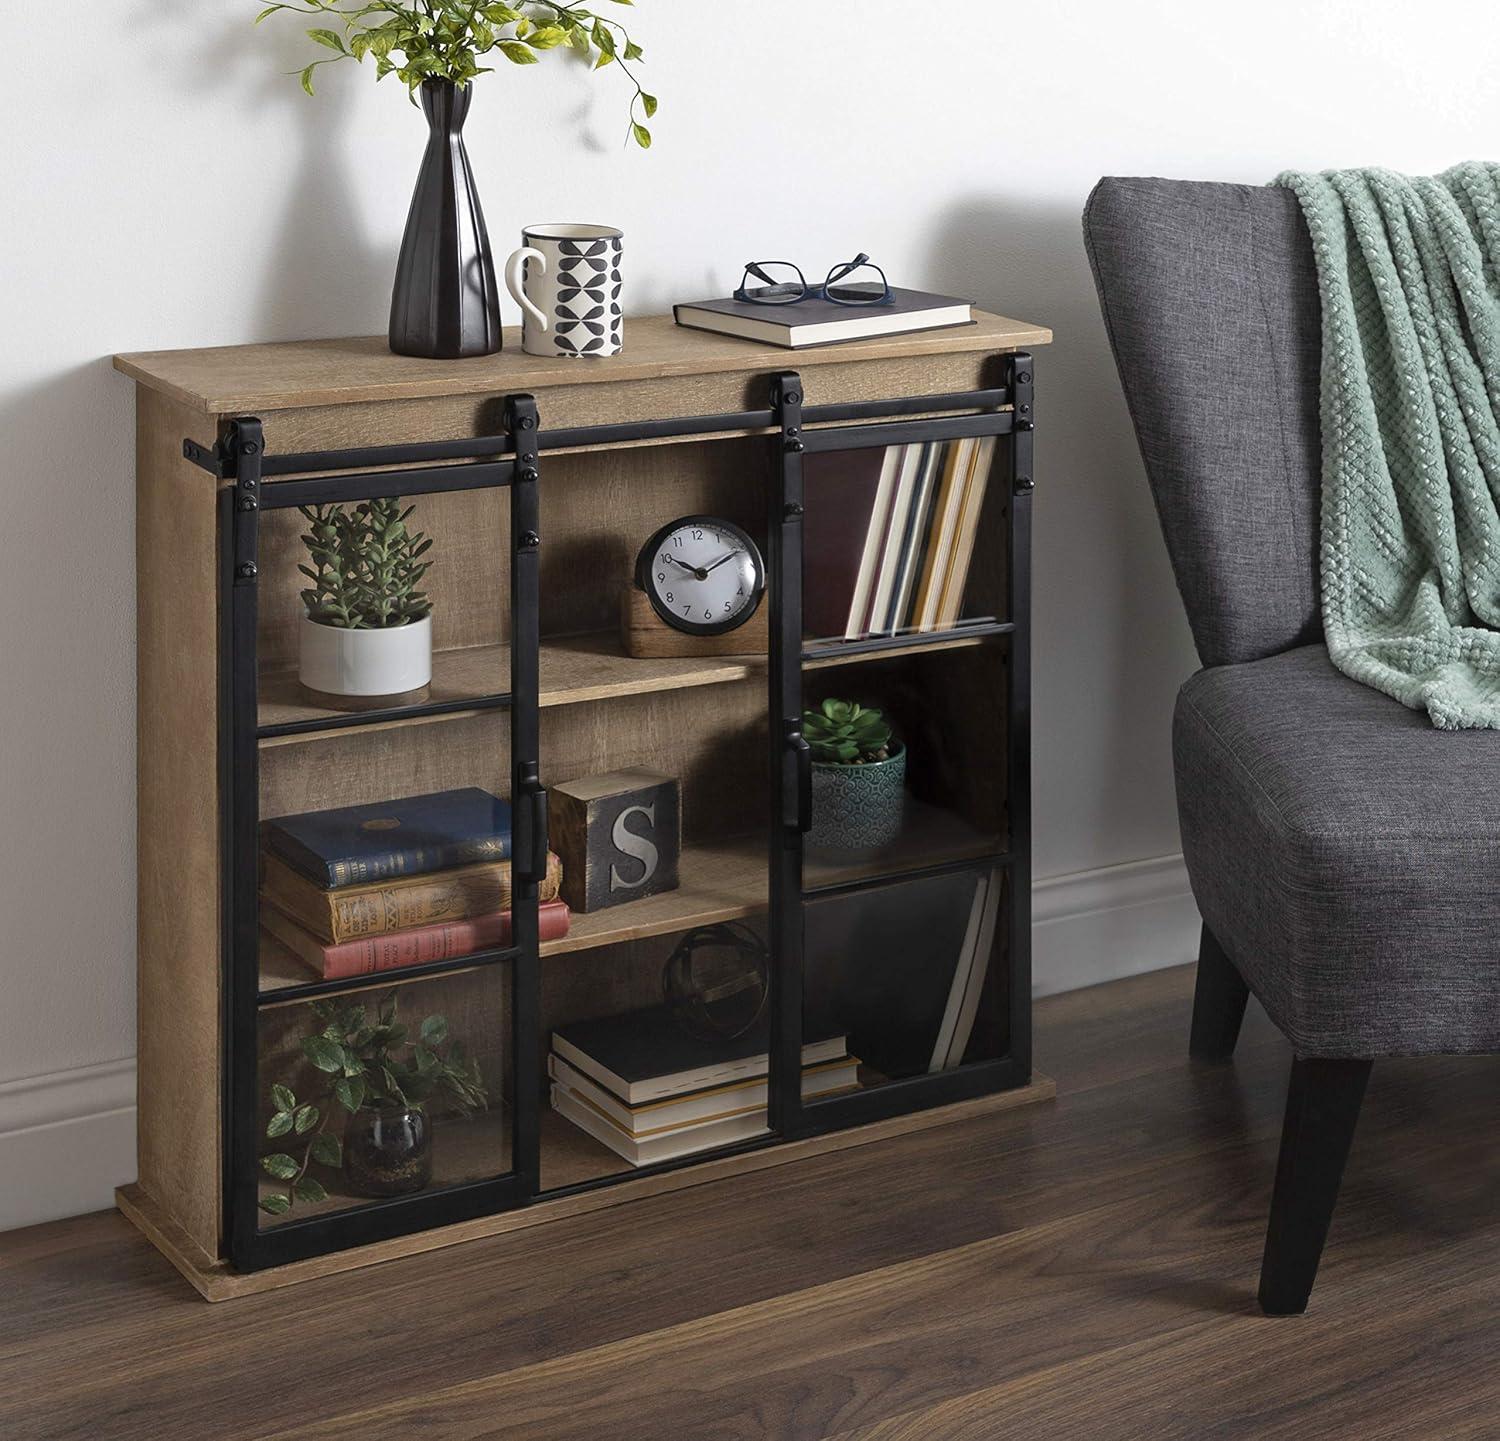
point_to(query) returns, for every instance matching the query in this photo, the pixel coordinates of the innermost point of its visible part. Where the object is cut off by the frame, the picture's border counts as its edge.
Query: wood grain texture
(1083, 1271)
(177, 822)
(217, 1282)
(246, 378)
(644, 635)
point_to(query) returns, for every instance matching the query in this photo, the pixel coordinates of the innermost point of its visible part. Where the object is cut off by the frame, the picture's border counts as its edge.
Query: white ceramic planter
(366, 663)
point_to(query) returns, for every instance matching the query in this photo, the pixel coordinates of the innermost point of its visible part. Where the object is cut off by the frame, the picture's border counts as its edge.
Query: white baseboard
(68, 1139)
(1115, 921)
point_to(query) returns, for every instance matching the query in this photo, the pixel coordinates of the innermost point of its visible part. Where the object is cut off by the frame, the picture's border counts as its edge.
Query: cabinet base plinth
(217, 1280)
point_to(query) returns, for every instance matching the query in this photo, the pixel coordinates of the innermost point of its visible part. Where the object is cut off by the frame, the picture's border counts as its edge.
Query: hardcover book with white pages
(825, 322)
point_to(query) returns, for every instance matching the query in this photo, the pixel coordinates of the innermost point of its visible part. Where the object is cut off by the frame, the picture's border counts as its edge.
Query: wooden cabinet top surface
(293, 374)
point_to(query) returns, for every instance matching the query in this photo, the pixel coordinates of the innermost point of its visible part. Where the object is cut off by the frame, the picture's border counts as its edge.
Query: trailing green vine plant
(367, 566)
(447, 39)
(363, 1062)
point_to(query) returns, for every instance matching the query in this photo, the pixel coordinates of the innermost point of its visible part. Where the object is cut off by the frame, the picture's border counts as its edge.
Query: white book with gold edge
(681, 1142)
(869, 561)
(718, 1103)
(649, 1055)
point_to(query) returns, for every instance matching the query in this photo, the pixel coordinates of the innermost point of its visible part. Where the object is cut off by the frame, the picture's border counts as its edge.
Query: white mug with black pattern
(566, 279)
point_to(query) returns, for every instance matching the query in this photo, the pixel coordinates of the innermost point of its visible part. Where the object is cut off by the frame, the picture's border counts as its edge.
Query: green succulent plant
(362, 1061)
(366, 565)
(843, 732)
(446, 39)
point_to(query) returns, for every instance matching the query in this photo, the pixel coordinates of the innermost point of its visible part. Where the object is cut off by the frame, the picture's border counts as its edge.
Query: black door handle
(530, 858)
(796, 810)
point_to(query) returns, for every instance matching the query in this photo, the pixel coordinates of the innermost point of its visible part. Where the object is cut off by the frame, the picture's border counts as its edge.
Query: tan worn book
(398, 904)
(945, 515)
(950, 609)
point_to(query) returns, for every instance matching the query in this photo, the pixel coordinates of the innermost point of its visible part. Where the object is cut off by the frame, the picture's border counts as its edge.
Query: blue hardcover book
(409, 837)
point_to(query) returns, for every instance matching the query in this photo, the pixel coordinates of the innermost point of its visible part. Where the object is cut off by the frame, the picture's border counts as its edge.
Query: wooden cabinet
(538, 481)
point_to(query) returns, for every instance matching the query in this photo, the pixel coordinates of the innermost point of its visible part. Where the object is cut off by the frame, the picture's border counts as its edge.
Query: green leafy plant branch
(447, 39)
(365, 1063)
(843, 732)
(367, 566)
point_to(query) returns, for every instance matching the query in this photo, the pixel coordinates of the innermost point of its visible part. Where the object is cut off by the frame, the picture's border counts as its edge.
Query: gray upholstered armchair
(1345, 855)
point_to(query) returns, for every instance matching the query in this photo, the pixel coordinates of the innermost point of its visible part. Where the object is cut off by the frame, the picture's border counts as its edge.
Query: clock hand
(722, 559)
(697, 572)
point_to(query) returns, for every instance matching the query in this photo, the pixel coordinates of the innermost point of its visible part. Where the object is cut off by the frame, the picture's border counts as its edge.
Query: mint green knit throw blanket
(1409, 274)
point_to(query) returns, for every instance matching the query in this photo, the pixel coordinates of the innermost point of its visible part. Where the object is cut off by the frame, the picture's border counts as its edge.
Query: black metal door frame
(241, 457)
(791, 758)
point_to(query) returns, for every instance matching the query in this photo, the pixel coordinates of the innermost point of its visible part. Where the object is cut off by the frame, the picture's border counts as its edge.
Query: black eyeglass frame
(776, 293)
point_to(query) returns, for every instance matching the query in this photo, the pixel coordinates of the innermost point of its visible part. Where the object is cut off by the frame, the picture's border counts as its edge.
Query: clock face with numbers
(704, 575)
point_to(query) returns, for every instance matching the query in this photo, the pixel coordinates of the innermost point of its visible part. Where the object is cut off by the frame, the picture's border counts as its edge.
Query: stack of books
(652, 1091)
(889, 536)
(371, 888)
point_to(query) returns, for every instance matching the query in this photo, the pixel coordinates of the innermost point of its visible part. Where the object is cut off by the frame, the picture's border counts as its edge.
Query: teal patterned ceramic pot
(858, 807)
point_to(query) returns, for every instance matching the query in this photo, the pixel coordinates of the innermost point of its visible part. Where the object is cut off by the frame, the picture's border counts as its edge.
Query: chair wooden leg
(1322, 1108)
(1218, 1003)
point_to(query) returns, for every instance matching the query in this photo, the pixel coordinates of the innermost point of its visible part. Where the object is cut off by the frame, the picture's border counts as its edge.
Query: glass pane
(407, 602)
(383, 849)
(905, 978)
(656, 1050)
(925, 780)
(902, 539)
(393, 1090)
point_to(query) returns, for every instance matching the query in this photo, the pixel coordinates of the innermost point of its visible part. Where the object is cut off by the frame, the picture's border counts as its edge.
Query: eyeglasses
(855, 282)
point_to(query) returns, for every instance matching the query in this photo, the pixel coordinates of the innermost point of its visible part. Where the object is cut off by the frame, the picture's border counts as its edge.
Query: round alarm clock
(704, 575)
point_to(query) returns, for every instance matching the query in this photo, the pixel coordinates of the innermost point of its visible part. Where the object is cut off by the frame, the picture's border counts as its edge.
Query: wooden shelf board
(824, 659)
(724, 881)
(472, 1148)
(574, 670)
(930, 836)
(570, 1156)
(287, 375)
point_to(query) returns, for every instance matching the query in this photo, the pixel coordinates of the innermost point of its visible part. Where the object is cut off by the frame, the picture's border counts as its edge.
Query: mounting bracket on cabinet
(246, 443)
(786, 399)
(1021, 393)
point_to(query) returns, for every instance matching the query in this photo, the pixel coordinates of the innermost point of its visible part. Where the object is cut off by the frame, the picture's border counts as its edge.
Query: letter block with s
(618, 836)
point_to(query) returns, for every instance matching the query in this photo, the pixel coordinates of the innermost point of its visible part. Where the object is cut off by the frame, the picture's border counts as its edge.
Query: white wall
(164, 185)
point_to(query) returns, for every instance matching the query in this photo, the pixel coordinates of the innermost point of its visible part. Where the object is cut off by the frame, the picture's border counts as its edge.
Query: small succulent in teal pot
(858, 777)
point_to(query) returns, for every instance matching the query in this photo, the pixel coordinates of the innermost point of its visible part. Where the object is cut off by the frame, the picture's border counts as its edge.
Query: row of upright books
(889, 536)
(364, 889)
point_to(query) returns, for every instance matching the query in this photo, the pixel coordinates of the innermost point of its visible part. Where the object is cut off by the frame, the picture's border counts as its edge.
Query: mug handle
(513, 282)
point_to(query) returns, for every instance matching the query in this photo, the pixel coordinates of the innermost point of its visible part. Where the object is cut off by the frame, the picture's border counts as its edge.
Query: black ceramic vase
(387, 1150)
(445, 304)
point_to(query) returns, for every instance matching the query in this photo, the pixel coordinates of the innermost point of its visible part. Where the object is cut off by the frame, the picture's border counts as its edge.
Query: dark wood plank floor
(1076, 1270)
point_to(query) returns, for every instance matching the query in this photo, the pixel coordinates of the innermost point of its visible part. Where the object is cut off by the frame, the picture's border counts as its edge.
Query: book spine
(410, 861)
(379, 911)
(434, 943)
